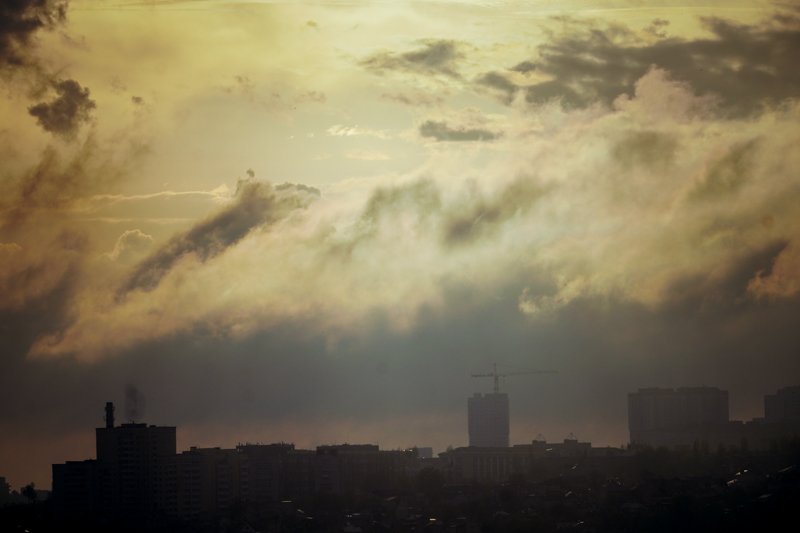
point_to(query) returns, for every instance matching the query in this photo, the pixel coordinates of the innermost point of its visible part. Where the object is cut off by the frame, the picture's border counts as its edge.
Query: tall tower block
(488, 420)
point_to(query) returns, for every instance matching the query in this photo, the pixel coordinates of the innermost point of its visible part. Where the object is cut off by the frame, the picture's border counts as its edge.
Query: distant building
(132, 479)
(76, 489)
(495, 465)
(347, 468)
(264, 472)
(5, 491)
(207, 482)
(424, 452)
(675, 417)
(133, 461)
(782, 406)
(697, 418)
(488, 420)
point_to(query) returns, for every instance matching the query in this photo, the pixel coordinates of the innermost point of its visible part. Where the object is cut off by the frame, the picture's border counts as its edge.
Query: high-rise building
(488, 420)
(782, 406)
(133, 478)
(674, 417)
(133, 463)
(75, 489)
(207, 482)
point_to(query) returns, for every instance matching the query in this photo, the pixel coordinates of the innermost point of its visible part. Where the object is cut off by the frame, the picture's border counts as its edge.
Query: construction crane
(497, 376)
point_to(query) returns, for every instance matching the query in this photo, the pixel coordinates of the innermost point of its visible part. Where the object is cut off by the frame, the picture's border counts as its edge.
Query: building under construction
(488, 420)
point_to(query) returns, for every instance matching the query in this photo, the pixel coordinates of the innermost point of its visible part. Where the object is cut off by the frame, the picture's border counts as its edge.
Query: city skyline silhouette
(315, 222)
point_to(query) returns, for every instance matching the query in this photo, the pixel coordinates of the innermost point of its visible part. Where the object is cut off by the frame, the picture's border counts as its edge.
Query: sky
(311, 222)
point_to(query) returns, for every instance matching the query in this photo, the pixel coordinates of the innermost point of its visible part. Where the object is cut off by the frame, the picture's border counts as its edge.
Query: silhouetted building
(5, 491)
(134, 463)
(348, 468)
(76, 489)
(424, 452)
(132, 479)
(675, 417)
(139, 480)
(207, 482)
(697, 418)
(783, 405)
(264, 473)
(488, 420)
(499, 464)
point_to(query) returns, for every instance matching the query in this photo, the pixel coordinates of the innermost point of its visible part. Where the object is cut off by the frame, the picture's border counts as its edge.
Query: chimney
(109, 415)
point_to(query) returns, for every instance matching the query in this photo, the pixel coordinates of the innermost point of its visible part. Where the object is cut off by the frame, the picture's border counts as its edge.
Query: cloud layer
(745, 67)
(652, 201)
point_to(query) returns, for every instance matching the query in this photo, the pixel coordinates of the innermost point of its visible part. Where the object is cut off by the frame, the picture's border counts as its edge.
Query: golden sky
(349, 192)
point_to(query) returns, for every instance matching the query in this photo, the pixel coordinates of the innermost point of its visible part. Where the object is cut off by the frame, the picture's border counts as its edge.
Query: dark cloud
(298, 200)
(65, 114)
(745, 66)
(726, 289)
(62, 176)
(728, 173)
(434, 57)
(657, 27)
(38, 286)
(481, 216)
(414, 99)
(524, 67)
(30, 276)
(422, 197)
(499, 84)
(645, 148)
(441, 131)
(49, 185)
(420, 207)
(257, 204)
(420, 200)
(19, 21)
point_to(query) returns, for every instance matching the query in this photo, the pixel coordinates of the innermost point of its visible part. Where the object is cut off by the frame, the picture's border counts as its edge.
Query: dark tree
(29, 491)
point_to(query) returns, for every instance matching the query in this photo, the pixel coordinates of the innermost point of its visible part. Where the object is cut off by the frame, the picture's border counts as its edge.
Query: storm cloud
(441, 131)
(64, 114)
(746, 66)
(19, 22)
(480, 216)
(59, 179)
(257, 204)
(433, 57)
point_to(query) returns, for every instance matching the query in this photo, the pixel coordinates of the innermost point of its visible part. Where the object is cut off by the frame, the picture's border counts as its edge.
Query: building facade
(675, 417)
(782, 406)
(697, 419)
(539, 458)
(488, 420)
